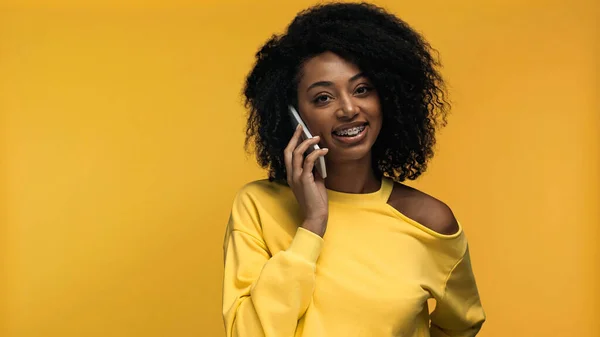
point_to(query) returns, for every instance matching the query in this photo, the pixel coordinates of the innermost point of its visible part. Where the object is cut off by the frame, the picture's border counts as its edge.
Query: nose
(348, 109)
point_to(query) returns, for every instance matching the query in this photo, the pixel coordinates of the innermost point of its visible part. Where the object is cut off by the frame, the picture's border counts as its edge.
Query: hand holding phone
(308, 188)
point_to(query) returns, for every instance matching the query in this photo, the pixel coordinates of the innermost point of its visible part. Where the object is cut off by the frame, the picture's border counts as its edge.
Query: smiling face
(338, 103)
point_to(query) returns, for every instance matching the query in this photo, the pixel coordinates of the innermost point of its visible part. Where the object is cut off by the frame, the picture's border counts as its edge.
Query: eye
(321, 99)
(362, 90)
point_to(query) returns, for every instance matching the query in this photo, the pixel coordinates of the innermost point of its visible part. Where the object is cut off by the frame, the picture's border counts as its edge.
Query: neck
(355, 176)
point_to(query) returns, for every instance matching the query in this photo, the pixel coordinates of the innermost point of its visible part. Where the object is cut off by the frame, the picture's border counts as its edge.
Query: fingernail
(298, 127)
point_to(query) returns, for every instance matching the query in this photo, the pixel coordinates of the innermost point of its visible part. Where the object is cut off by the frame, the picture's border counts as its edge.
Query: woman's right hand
(308, 188)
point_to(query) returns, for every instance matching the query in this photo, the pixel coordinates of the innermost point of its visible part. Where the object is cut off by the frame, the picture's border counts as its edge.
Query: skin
(333, 93)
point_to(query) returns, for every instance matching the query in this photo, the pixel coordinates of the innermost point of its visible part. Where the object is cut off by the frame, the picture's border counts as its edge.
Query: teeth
(351, 132)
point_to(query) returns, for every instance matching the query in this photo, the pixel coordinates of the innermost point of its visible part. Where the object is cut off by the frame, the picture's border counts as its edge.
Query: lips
(350, 132)
(345, 127)
(351, 136)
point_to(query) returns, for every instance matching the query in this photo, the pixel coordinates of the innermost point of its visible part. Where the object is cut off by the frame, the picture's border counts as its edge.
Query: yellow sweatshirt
(370, 275)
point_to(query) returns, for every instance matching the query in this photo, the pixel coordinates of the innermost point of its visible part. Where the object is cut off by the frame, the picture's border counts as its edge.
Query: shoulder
(263, 196)
(424, 209)
(262, 205)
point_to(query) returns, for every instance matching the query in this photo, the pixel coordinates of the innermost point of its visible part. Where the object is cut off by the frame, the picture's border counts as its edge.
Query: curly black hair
(402, 66)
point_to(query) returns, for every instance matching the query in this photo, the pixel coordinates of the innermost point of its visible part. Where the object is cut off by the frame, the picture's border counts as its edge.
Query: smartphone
(320, 162)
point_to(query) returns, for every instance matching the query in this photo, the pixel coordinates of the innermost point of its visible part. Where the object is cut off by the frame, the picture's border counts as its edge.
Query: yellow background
(121, 150)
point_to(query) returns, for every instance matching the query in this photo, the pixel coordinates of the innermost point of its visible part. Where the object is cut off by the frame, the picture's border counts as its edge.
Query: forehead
(327, 67)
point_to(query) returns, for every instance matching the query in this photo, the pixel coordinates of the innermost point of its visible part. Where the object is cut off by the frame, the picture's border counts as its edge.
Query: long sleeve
(265, 295)
(458, 312)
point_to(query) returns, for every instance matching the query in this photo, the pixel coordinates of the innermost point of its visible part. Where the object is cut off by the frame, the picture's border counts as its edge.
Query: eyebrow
(328, 83)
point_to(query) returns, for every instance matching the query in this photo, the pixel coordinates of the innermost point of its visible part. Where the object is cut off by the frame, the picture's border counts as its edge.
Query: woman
(357, 253)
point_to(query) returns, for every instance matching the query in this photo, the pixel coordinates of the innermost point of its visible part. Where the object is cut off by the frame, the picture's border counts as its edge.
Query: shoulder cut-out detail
(424, 209)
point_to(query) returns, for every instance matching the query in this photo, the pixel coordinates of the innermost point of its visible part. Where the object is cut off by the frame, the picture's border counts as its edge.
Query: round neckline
(381, 195)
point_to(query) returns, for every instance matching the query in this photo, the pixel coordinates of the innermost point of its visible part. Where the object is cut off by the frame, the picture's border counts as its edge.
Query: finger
(298, 155)
(288, 152)
(309, 162)
(303, 147)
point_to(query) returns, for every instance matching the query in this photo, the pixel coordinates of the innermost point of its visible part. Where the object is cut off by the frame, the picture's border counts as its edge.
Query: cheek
(376, 118)
(375, 109)
(379, 120)
(317, 126)
(376, 128)
(376, 124)
(324, 129)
